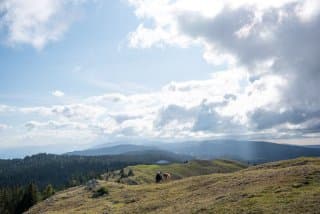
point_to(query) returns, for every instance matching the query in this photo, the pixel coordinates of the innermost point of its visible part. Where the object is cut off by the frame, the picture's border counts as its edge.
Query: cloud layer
(226, 105)
(36, 23)
(276, 42)
(270, 88)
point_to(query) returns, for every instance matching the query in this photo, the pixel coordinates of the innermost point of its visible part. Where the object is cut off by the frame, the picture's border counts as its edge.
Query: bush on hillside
(101, 192)
(130, 173)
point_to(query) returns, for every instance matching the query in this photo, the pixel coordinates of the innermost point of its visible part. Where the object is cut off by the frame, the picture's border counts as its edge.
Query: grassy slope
(281, 187)
(144, 174)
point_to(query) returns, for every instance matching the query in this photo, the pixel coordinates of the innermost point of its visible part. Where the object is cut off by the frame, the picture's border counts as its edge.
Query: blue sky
(76, 73)
(93, 57)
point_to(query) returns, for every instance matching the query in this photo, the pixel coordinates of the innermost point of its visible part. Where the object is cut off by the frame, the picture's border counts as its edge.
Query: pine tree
(48, 191)
(30, 197)
(122, 175)
(130, 173)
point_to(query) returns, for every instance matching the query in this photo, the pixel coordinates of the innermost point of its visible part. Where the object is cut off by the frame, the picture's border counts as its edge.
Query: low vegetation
(143, 174)
(281, 187)
(101, 192)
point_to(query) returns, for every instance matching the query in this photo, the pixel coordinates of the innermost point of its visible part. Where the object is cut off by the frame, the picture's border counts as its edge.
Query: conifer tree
(48, 191)
(30, 197)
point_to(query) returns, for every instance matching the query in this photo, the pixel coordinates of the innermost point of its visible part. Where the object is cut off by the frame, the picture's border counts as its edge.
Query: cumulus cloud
(178, 110)
(36, 23)
(5, 108)
(57, 93)
(268, 89)
(227, 104)
(54, 125)
(276, 42)
(291, 118)
(173, 113)
(73, 111)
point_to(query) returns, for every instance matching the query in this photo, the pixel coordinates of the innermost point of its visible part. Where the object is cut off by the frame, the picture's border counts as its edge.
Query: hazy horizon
(21, 152)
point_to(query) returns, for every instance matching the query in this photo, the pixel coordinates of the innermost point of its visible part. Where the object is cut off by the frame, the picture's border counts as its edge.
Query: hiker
(158, 177)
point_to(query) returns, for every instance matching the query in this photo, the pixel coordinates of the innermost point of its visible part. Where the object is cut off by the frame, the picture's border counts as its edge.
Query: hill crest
(291, 186)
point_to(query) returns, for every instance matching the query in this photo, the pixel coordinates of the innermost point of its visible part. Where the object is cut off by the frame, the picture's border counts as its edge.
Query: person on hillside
(158, 177)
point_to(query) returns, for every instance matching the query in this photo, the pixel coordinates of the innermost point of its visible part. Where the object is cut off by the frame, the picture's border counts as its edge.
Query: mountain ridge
(247, 151)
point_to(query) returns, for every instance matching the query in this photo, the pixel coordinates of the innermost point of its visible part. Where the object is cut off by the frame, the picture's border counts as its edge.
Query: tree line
(24, 182)
(16, 200)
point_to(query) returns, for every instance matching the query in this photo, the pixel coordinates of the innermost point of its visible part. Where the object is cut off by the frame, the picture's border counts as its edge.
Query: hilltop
(144, 173)
(291, 186)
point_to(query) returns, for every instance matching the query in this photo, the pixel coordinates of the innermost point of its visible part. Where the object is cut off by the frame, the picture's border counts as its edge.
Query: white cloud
(275, 42)
(227, 104)
(36, 23)
(57, 93)
(54, 125)
(5, 108)
(187, 22)
(270, 87)
(188, 109)
(72, 111)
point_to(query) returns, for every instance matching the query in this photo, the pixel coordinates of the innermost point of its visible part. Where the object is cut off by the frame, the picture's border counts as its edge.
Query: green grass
(282, 187)
(144, 174)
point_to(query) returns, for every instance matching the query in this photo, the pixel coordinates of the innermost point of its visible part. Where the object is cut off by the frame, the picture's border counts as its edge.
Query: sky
(77, 73)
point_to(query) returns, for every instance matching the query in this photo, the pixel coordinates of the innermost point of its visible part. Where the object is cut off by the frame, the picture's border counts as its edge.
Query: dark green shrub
(101, 192)
(130, 173)
(122, 174)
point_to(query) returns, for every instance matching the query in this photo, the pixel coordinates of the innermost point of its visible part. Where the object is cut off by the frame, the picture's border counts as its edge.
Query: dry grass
(282, 187)
(144, 174)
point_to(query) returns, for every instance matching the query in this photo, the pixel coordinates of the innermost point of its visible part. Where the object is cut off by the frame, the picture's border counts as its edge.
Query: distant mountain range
(112, 150)
(247, 151)
(251, 151)
(312, 146)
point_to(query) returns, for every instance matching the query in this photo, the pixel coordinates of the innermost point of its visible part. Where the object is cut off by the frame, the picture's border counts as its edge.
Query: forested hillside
(63, 170)
(23, 182)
